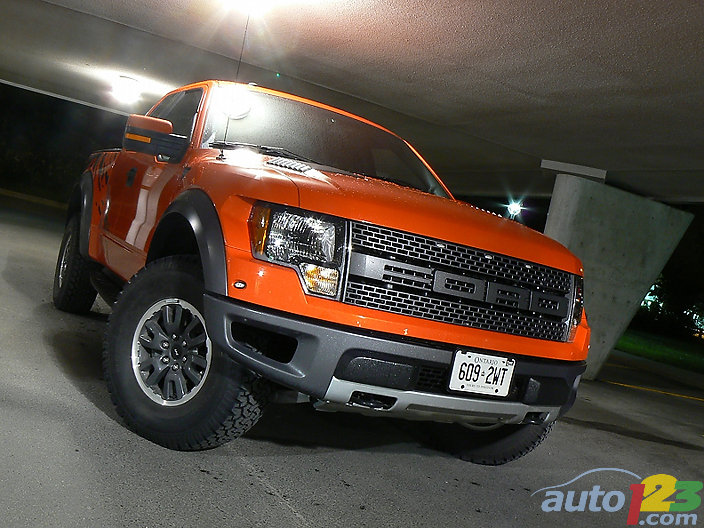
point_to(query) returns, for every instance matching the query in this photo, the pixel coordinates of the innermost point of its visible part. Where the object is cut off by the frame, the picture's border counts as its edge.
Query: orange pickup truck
(255, 245)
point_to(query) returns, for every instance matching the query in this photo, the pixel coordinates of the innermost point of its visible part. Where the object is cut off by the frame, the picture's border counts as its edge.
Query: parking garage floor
(67, 460)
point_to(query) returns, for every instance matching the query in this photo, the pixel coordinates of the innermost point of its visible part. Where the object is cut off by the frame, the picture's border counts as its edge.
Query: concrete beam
(623, 240)
(570, 168)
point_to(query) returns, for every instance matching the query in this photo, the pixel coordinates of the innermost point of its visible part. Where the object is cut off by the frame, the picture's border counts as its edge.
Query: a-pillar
(623, 240)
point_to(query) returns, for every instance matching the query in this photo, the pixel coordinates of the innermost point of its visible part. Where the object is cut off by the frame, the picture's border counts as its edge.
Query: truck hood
(390, 205)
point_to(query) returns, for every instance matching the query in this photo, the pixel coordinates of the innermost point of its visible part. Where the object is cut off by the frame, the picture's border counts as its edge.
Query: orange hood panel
(387, 204)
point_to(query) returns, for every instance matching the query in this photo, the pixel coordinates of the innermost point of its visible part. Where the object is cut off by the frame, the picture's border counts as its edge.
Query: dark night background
(45, 142)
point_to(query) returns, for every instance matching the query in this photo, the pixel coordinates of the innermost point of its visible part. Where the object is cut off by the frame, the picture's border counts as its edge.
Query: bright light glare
(244, 157)
(253, 8)
(256, 8)
(514, 209)
(126, 89)
(236, 101)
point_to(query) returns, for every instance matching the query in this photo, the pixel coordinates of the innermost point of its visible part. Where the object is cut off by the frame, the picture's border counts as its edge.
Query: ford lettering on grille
(418, 276)
(495, 293)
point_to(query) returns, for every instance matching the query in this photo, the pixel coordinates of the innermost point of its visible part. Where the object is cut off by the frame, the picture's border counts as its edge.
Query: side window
(181, 109)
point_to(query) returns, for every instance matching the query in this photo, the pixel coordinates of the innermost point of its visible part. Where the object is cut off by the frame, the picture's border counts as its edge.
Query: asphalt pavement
(66, 459)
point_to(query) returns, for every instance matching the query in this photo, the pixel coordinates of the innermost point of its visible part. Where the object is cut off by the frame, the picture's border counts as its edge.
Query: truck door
(140, 182)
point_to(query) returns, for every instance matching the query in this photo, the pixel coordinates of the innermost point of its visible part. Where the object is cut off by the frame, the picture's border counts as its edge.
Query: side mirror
(154, 136)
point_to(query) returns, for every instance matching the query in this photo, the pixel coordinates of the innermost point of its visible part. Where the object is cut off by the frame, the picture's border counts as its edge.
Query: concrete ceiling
(484, 89)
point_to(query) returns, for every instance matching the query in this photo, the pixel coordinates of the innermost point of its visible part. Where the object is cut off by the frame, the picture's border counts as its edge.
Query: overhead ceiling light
(255, 8)
(126, 89)
(251, 8)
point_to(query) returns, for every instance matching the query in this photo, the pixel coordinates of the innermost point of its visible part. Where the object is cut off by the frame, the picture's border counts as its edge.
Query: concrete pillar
(623, 240)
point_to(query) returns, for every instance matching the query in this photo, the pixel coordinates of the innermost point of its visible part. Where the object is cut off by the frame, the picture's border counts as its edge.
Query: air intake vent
(290, 164)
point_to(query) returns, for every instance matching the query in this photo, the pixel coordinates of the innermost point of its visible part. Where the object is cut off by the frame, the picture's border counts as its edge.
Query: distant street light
(514, 209)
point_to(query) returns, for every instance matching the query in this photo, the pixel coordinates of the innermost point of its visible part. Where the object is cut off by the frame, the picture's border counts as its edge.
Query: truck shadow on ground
(302, 427)
(630, 433)
(75, 344)
(26, 275)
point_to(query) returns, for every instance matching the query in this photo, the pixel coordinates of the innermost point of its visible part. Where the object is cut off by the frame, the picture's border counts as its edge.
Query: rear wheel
(73, 291)
(166, 379)
(488, 445)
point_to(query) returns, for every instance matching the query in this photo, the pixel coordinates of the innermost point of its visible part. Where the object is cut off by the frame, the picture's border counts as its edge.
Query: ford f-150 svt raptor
(255, 244)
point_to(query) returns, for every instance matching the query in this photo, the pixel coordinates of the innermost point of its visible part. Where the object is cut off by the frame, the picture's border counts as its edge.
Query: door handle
(130, 176)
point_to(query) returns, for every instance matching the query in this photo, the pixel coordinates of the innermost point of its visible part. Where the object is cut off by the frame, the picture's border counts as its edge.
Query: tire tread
(77, 294)
(233, 415)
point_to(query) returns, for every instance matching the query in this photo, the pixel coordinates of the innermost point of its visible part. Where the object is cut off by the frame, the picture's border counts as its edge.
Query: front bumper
(378, 373)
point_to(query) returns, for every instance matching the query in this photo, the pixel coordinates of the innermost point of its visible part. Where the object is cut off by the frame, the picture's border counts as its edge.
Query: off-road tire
(227, 401)
(491, 447)
(73, 291)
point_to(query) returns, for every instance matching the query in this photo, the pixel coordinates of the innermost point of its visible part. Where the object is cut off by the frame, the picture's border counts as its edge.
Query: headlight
(311, 243)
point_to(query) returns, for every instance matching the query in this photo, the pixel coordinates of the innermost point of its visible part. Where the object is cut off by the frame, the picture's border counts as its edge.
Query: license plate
(481, 373)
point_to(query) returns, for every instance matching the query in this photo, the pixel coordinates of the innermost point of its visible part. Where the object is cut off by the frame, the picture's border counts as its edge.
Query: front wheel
(489, 445)
(166, 379)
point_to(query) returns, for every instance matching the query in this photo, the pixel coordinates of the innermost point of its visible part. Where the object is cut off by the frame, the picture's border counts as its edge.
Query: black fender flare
(196, 207)
(80, 204)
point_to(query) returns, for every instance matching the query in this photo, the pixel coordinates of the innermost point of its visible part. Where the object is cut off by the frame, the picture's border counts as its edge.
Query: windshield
(303, 131)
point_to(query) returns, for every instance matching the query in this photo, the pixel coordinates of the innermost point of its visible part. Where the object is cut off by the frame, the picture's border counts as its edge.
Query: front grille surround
(399, 272)
(401, 245)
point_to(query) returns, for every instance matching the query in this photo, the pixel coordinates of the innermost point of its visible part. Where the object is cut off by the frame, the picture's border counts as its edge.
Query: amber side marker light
(258, 229)
(320, 279)
(137, 137)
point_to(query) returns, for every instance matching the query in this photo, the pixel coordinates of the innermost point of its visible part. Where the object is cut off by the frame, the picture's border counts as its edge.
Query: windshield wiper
(224, 145)
(263, 149)
(280, 151)
(392, 180)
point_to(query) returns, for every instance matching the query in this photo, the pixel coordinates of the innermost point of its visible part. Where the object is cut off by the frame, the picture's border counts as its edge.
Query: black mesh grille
(432, 379)
(409, 291)
(453, 312)
(386, 241)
